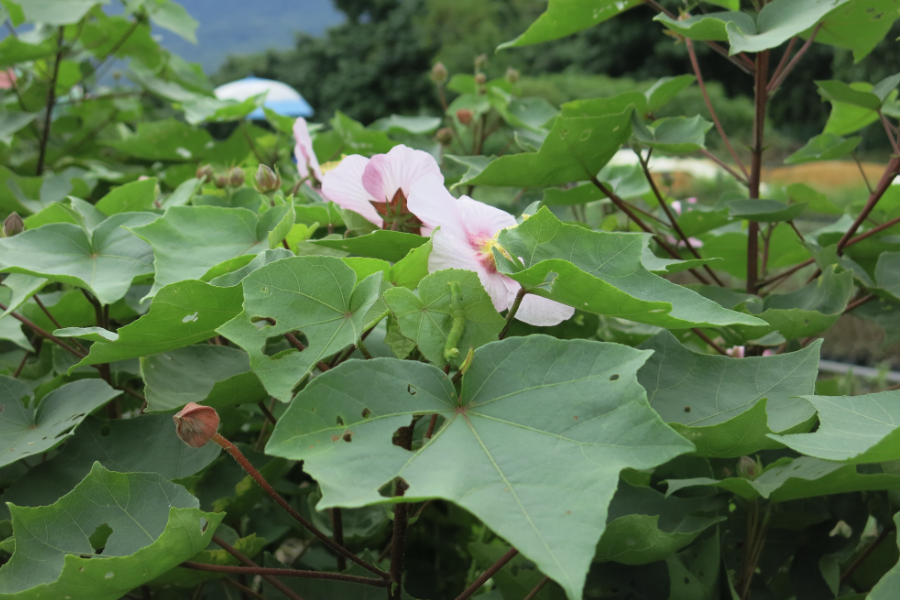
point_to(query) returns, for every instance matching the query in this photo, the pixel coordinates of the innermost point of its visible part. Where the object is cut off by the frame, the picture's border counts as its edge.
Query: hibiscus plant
(492, 353)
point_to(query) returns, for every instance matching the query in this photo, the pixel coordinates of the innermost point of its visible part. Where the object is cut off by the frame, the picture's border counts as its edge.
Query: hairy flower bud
(267, 180)
(481, 79)
(220, 181)
(236, 177)
(464, 115)
(205, 173)
(748, 468)
(195, 424)
(13, 225)
(439, 73)
(444, 135)
(481, 61)
(512, 75)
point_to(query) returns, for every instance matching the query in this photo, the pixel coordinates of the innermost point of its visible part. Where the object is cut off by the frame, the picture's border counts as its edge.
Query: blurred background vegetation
(376, 62)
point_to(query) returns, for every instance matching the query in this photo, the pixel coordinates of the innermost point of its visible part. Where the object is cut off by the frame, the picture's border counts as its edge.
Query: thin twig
(883, 184)
(665, 206)
(21, 364)
(290, 337)
(55, 322)
(797, 231)
(862, 557)
(51, 99)
(776, 82)
(889, 133)
(709, 341)
(873, 231)
(857, 303)
(712, 111)
(249, 564)
(401, 519)
(862, 172)
(243, 588)
(737, 176)
(266, 412)
(337, 527)
(784, 58)
(44, 334)
(533, 593)
(273, 572)
(251, 470)
(520, 295)
(492, 570)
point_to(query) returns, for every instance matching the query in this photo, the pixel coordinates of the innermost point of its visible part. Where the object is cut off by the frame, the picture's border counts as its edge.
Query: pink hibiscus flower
(378, 187)
(468, 231)
(306, 158)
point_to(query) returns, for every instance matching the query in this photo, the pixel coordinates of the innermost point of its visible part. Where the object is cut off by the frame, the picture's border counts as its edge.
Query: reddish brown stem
(272, 572)
(722, 164)
(712, 111)
(292, 339)
(337, 527)
(238, 586)
(873, 231)
(759, 121)
(784, 59)
(51, 99)
(22, 365)
(857, 303)
(537, 589)
(780, 77)
(797, 231)
(889, 133)
(862, 557)
(43, 333)
(709, 341)
(492, 570)
(251, 470)
(249, 565)
(883, 184)
(431, 425)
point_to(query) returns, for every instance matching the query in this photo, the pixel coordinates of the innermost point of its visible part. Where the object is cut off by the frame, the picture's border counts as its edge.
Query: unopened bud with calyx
(439, 73)
(267, 180)
(205, 173)
(481, 79)
(220, 181)
(512, 75)
(444, 135)
(749, 468)
(236, 177)
(13, 225)
(464, 115)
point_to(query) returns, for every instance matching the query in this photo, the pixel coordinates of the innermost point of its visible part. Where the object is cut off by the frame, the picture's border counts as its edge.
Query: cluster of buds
(13, 225)
(205, 174)
(267, 180)
(233, 177)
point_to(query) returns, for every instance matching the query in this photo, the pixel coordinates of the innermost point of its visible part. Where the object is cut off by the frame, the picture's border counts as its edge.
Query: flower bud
(205, 173)
(481, 79)
(748, 468)
(13, 225)
(220, 181)
(464, 115)
(439, 73)
(195, 424)
(481, 61)
(267, 180)
(736, 351)
(236, 177)
(512, 75)
(444, 136)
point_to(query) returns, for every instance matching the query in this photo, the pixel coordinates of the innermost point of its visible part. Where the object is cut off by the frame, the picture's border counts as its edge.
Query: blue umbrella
(281, 98)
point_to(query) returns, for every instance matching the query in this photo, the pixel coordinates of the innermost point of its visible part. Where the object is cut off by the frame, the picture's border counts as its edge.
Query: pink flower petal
(399, 169)
(482, 221)
(436, 207)
(449, 252)
(343, 186)
(303, 151)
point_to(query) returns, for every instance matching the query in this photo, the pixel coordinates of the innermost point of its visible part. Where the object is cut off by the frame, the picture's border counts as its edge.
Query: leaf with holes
(181, 314)
(112, 444)
(602, 273)
(188, 241)
(31, 427)
(319, 297)
(727, 406)
(104, 262)
(111, 534)
(427, 318)
(540, 479)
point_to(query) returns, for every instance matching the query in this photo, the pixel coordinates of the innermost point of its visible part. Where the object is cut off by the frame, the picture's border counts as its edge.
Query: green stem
(520, 295)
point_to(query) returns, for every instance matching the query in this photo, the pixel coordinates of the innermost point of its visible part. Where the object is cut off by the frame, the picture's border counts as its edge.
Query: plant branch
(862, 172)
(712, 111)
(625, 208)
(779, 78)
(51, 99)
(859, 302)
(266, 412)
(889, 133)
(292, 339)
(272, 572)
(759, 121)
(249, 564)
(709, 341)
(401, 519)
(865, 554)
(737, 176)
(55, 322)
(883, 184)
(797, 231)
(492, 570)
(44, 334)
(784, 58)
(337, 527)
(520, 295)
(533, 593)
(243, 589)
(251, 470)
(665, 206)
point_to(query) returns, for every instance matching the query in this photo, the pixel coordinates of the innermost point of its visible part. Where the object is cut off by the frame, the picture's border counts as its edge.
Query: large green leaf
(644, 526)
(188, 241)
(131, 197)
(104, 262)
(677, 135)
(169, 140)
(540, 478)
(318, 296)
(181, 314)
(427, 318)
(855, 429)
(155, 525)
(217, 376)
(605, 275)
(381, 243)
(796, 478)
(21, 288)
(575, 149)
(766, 211)
(826, 146)
(847, 118)
(858, 25)
(57, 12)
(887, 273)
(144, 444)
(711, 399)
(664, 90)
(565, 17)
(31, 427)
